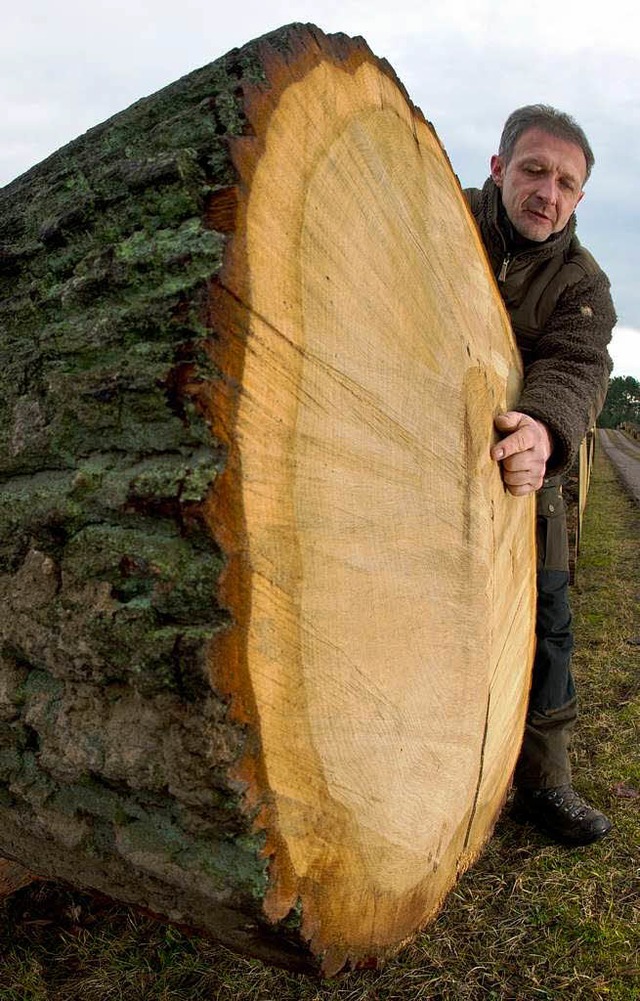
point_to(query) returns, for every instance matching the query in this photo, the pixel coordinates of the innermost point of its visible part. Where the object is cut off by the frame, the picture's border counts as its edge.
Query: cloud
(625, 351)
(67, 66)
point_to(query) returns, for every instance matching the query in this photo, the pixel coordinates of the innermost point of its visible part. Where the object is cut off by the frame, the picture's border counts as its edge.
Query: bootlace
(567, 800)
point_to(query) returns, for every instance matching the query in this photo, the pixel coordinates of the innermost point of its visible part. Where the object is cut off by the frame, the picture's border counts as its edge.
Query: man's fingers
(521, 462)
(521, 491)
(523, 453)
(527, 435)
(509, 420)
(524, 467)
(520, 441)
(521, 478)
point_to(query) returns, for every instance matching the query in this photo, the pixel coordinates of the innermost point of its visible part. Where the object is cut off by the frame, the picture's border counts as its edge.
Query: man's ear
(497, 169)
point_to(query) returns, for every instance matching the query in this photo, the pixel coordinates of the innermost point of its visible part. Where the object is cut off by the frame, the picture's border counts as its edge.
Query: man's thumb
(508, 421)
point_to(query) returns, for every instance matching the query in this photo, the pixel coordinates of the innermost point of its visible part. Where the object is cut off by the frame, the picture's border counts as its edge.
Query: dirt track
(624, 453)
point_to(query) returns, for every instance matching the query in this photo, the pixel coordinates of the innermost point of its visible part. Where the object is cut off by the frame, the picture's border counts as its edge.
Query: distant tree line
(622, 405)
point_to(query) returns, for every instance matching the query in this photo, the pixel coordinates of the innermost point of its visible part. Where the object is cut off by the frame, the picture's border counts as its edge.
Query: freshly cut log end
(266, 652)
(383, 577)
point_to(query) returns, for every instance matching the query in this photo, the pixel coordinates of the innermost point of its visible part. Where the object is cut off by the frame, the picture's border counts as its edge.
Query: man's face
(541, 184)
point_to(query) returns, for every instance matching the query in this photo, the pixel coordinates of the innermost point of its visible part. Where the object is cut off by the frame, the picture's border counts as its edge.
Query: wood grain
(387, 578)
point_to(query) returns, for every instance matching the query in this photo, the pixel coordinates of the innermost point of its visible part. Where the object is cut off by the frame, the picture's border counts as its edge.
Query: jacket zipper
(503, 270)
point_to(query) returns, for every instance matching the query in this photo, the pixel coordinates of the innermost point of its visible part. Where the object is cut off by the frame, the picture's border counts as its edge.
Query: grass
(531, 922)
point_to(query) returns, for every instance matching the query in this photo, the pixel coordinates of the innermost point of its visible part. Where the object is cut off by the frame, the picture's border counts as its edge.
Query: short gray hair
(548, 119)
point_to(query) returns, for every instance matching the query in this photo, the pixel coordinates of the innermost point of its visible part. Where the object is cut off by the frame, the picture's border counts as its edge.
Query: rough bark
(265, 607)
(13, 877)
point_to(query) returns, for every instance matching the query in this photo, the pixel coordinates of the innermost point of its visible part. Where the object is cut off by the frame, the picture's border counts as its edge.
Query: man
(562, 316)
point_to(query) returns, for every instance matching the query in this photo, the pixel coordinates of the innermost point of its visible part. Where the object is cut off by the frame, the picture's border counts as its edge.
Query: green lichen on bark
(115, 752)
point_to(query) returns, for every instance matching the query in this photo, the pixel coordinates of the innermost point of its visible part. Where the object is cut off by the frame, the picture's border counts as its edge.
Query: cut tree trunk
(266, 609)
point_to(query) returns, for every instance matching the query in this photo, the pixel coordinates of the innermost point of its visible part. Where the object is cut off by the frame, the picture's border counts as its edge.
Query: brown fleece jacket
(562, 315)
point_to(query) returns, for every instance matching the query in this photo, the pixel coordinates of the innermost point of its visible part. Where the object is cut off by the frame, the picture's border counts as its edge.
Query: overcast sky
(66, 65)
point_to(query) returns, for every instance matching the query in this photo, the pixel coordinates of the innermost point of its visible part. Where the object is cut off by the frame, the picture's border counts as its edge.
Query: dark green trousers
(551, 715)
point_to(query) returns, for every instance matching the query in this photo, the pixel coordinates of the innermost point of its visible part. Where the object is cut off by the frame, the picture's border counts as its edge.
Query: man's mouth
(538, 215)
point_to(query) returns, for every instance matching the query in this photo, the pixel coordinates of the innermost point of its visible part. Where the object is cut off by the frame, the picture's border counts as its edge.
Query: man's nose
(548, 189)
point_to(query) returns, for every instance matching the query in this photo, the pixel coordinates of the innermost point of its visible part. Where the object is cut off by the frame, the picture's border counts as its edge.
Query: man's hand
(523, 453)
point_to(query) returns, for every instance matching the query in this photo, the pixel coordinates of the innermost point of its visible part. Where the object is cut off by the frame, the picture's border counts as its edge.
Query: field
(531, 922)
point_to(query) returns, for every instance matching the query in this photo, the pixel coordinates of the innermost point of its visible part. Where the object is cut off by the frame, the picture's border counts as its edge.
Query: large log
(266, 609)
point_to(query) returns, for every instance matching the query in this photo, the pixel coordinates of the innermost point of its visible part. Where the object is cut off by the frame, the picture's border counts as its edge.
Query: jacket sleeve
(567, 380)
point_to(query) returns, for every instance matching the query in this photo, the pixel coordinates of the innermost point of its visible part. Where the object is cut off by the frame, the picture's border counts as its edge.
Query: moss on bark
(115, 752)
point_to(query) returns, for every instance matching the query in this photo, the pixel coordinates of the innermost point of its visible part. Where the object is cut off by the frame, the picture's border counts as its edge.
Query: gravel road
(624, 453)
